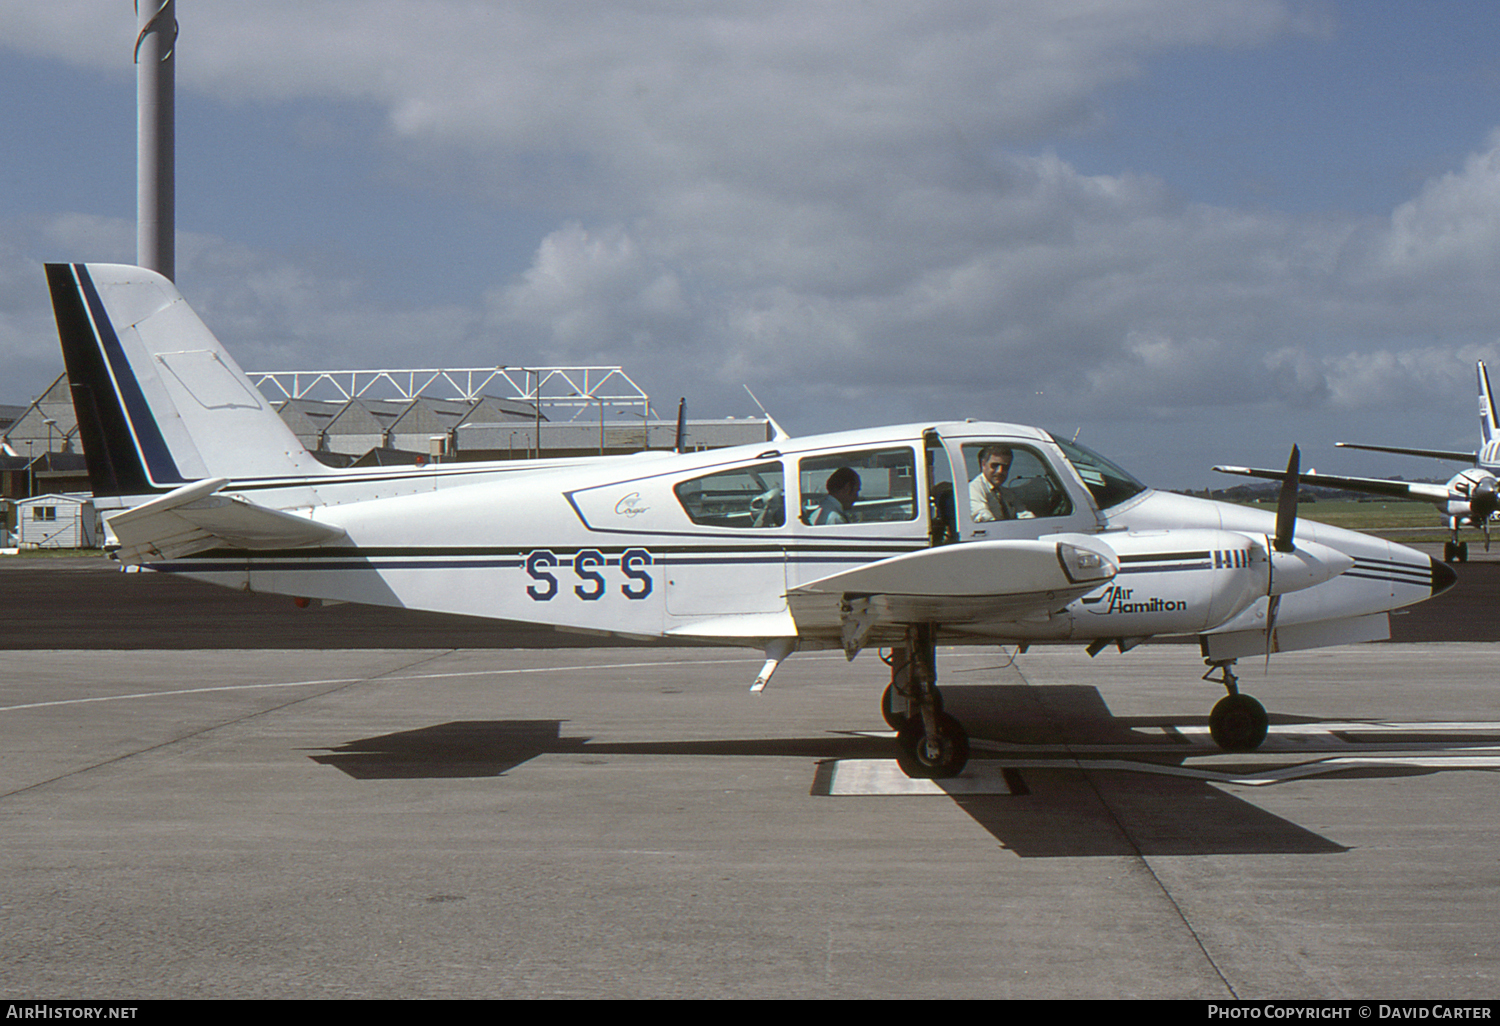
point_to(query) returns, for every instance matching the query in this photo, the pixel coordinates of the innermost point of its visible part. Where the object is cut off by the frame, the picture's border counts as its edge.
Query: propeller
(1286, 530)
(1483, 502)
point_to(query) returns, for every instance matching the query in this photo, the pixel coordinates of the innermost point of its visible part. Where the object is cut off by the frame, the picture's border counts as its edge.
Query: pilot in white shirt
(987, 499)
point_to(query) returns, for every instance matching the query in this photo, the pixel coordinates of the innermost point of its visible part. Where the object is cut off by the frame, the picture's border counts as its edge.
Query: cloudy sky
(1192, 231)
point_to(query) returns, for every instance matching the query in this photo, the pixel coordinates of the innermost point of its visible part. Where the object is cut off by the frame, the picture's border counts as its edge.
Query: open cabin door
(1001, 488)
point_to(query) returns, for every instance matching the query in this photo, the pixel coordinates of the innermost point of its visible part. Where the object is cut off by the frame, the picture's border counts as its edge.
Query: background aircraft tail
(1489, 424)
(159, 401)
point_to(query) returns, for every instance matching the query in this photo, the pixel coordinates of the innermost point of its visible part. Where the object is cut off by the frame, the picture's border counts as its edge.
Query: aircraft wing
(1369, 485)
(193, 519)
(1437, 454)
(1003, 580)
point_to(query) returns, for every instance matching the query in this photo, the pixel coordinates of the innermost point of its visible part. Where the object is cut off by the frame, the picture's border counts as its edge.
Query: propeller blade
(1286, 505)
(1286, 530)
(1274, 608)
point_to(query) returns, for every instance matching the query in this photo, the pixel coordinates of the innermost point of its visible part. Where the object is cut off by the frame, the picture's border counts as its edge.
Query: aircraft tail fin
(1489, 423)
(159, 401)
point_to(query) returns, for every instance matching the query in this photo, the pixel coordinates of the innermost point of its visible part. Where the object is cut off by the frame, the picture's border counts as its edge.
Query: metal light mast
(156, 219)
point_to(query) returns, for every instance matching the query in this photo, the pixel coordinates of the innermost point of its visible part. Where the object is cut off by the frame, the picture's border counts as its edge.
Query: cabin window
(744, 498)
(887, 487)
(1027, 486)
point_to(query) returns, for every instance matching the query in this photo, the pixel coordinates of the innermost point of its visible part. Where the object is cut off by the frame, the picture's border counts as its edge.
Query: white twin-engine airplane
(1472, 496)
(776, 546)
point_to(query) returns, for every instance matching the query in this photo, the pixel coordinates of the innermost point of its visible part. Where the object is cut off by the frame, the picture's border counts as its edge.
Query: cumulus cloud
(782, 94)
(1451, 227)
(594, 297)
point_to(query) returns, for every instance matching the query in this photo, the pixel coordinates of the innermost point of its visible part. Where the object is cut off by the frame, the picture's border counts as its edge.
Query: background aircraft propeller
(1483, 503)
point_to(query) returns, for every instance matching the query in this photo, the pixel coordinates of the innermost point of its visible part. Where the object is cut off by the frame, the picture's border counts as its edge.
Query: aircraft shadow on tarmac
(491, 748)
(1116, 802)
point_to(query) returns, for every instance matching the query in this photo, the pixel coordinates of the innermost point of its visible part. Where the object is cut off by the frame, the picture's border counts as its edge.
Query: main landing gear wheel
(924, 757)
(1455, 552)
(929, 743)
(1238, 723)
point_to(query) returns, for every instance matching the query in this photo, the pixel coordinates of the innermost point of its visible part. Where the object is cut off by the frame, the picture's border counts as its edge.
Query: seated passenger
(837, 506)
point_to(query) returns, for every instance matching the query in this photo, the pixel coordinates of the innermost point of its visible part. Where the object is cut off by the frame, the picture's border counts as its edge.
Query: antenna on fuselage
(780, 434)
(681, 424)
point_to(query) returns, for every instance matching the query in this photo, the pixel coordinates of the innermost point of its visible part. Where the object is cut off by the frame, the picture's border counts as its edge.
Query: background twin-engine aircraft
(954, 533)
(1472, 496)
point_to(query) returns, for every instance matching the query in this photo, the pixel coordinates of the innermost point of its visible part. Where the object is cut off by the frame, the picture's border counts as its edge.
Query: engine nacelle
(1187, 582)
(1173, 582)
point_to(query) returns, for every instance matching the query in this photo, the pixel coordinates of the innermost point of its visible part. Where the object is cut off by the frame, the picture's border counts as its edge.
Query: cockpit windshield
(1109, 484)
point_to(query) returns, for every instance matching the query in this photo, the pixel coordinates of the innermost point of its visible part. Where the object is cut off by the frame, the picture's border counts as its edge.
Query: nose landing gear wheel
(1238, 723)
(922, 757)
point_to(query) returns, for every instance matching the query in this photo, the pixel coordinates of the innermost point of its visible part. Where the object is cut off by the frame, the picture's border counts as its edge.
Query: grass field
(1380, 515)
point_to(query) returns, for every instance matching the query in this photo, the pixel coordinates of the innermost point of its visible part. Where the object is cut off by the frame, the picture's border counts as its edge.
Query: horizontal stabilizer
(194, 518)
(1436, 454)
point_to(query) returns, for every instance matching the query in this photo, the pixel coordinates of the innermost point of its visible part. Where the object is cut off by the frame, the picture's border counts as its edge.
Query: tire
(890, 701)
(1238, 723)
(912, 754)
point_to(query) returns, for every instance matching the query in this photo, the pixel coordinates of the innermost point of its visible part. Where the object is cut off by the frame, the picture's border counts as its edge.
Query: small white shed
(57, 522)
